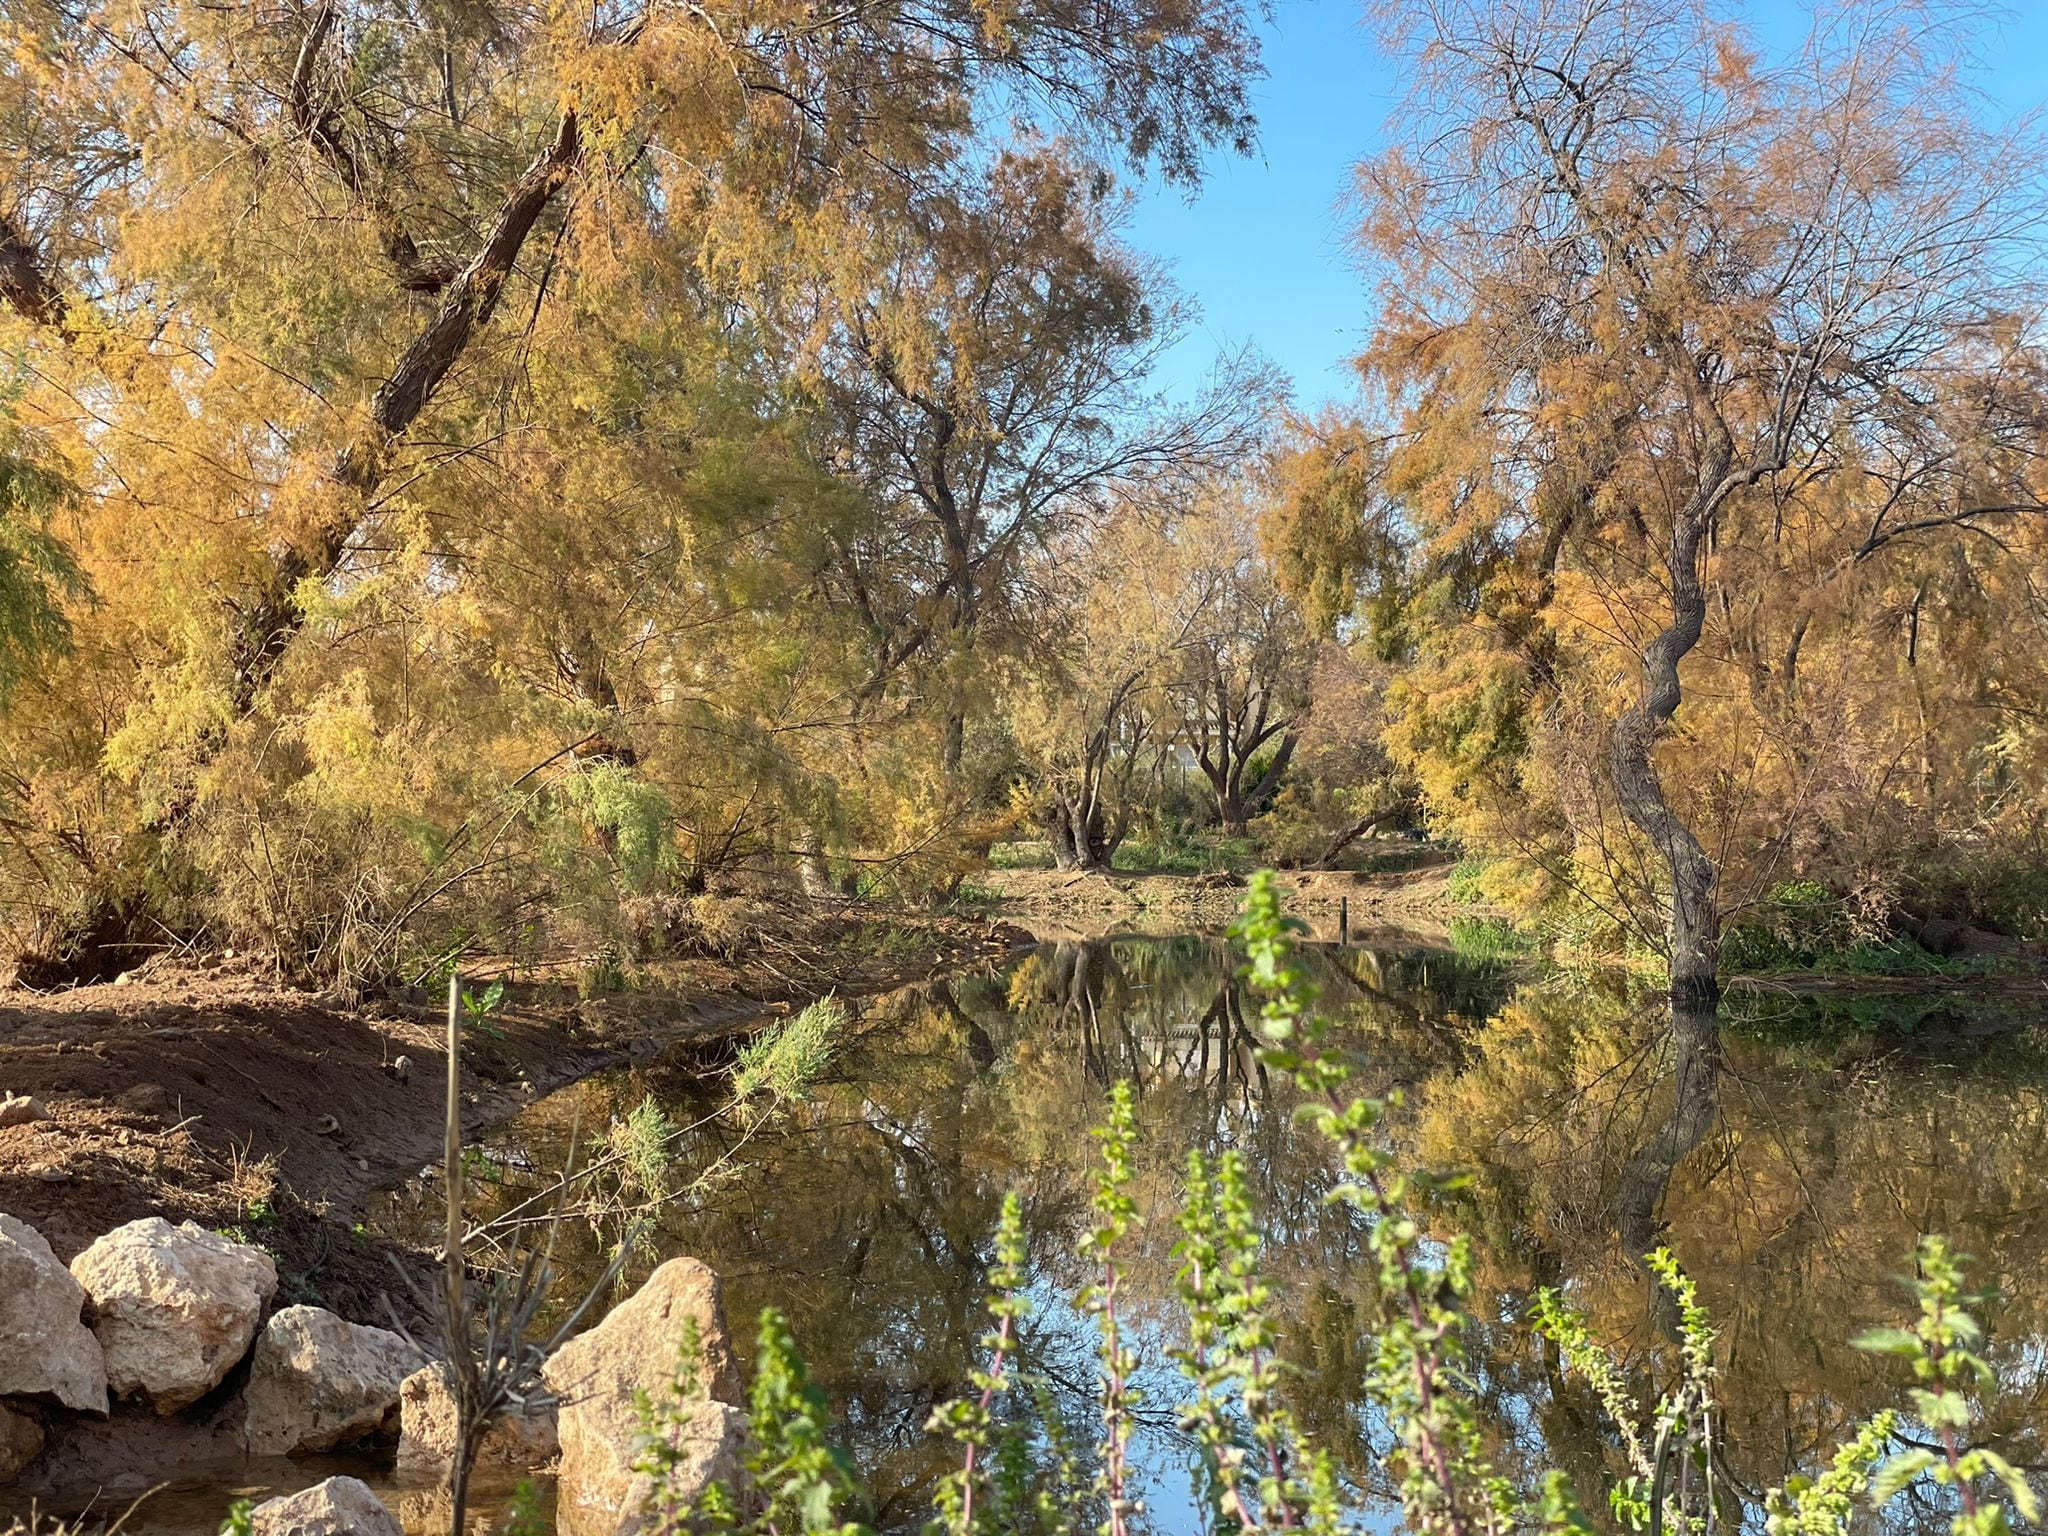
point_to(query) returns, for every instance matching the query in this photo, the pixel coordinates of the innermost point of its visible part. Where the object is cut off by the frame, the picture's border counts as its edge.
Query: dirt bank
(198, 1089)
(1415, 899)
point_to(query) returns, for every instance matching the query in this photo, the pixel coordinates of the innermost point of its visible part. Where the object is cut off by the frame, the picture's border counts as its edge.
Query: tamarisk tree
(1654, 308)
(274, 269)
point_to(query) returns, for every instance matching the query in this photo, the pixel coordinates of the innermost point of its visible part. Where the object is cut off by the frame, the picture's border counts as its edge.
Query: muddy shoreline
(200, 1090)
(1049, 900)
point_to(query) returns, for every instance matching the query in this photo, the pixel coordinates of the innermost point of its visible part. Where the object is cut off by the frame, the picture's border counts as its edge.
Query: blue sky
(1260, 248)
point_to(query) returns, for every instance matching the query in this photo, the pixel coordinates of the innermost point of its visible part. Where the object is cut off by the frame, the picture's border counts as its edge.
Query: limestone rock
(318, 1381)
(21, 1441)
(637, 1348)
(341, 1506)
(426, 1436)
(21, 1109)
(45, 1350)
(176, 1307)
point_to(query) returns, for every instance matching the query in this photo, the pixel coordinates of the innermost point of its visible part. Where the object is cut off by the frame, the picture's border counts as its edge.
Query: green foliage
(996, 1487)
(1556, 1320)
(1488, 939)
(1802, 925)
(1184, 851)
(523, 1515)
(795, 1480)
(1824, 1505)
(1027, 854)
(38, 575)
(1943, 1346)
(1232, 1345)
(1417, 1297)
(603, 973)
(1465, 884)
(785, 1060)
(1114, 1210)
(240, 1519)
(478, 1007)
(633, 816)
(642, 1144)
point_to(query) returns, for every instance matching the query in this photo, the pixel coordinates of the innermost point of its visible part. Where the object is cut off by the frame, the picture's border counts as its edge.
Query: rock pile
(164, 1326)
(161, 1317)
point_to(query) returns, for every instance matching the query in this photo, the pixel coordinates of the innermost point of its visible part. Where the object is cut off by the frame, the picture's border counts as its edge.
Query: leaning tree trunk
(262, 626)
(1695, 927)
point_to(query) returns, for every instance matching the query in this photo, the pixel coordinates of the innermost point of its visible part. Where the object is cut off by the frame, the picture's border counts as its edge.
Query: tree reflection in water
(1788, 1160)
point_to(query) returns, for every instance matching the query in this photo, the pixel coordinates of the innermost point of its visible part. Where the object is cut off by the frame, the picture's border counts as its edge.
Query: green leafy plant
(995, 1487)
(603, 973)
(478, 1008)
(1943, 1346)
(786, 1060)
(796, 1480)
(523, 1515)
(1678, 1438)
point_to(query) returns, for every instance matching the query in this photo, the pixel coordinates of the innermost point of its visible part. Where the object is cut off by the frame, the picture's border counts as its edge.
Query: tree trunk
(956, 742)
(812, 871)
(1695, 928)
(1358, 829)
(263, 625)
(1079, 839)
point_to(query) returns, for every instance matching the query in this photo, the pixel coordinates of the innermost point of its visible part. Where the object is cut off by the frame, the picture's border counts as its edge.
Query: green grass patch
(1483, 940)
(1028, 854)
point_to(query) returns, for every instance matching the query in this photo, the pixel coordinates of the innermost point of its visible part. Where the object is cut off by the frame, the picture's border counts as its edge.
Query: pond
(1789, 1154)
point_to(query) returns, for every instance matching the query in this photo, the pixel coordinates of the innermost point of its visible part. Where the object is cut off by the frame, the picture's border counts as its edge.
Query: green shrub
(1177, 851)
(1466, 883)
(785, 1061)
(603, 974)
(1802, 925)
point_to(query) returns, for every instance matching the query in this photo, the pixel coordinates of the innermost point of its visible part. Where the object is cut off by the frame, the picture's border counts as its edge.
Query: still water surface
(1789, 1153)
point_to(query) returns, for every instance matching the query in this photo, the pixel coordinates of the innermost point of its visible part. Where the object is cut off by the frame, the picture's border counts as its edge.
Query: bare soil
(202, 1089)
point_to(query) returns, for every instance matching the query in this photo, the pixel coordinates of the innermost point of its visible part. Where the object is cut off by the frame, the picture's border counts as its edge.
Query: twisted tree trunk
(1695, 927)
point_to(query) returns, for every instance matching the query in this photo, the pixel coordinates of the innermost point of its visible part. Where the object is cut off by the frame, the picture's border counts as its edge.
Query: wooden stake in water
(452, 1167)
(1343, 920)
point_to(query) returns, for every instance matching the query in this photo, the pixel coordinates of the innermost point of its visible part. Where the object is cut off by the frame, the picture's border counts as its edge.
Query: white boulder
(341, 1506)
(637, 1349)
(318, 1381)
(46, 1351)
(175, 1307)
